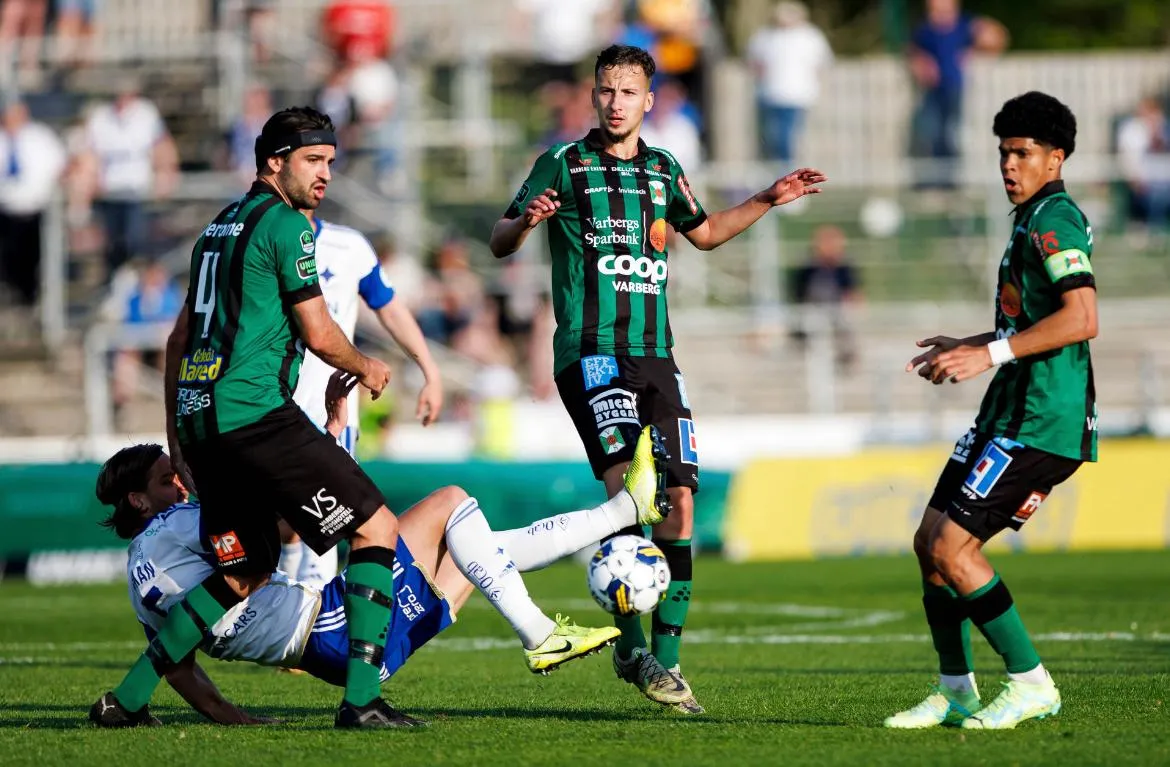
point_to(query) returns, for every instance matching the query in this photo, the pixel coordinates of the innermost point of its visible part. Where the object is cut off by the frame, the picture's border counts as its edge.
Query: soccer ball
(628, 575)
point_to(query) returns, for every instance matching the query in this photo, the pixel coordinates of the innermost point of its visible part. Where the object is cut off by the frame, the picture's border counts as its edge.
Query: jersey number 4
(205, 292)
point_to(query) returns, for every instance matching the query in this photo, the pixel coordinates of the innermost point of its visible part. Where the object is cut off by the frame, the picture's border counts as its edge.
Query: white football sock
(548, 540)
(290, 559)
(317, 569)
(485, 562)
(1036, 676)
(960, 683)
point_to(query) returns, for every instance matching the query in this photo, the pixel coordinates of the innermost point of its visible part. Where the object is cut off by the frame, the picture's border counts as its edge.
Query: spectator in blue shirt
(939, 51)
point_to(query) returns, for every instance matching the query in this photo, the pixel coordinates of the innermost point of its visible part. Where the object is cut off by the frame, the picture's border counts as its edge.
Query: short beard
(302, 198)
(615, 138)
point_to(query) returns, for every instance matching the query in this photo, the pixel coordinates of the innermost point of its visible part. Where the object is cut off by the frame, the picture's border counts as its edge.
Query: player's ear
(1055, 159)
(649, 101)
(138, 501)
(275, 163)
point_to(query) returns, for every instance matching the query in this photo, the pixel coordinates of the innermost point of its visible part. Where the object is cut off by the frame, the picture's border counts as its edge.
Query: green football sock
(633, 635)
(369, 599)
(992, 609)
(950, 629)
(671, 614)
(186, 625)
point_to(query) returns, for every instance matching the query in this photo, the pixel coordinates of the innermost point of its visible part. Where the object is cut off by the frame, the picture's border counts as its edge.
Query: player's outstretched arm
(1075, 321)
(176, 345)
(403, 328)
(195, 687)
(720, 227)
(324, 338)
(509, 233)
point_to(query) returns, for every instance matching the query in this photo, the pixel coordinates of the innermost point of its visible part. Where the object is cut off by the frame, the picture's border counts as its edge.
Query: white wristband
(1000, 351)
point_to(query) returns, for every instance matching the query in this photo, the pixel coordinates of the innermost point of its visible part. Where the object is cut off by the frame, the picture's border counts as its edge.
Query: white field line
(701, 636)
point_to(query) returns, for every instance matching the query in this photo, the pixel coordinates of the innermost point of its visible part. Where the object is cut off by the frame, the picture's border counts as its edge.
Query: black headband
(269, 146)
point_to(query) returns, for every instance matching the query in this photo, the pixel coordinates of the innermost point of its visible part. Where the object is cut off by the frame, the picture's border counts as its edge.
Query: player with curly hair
(1036, 426)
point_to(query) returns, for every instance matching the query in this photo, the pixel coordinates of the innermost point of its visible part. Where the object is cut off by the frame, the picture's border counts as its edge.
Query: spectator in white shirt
(787, 59)
(1143, 147)
(564, 34)
(31, 160)
(131, 160)
(668, 126)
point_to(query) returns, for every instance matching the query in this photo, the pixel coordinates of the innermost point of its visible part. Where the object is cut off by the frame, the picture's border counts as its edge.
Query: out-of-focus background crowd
(126, 124)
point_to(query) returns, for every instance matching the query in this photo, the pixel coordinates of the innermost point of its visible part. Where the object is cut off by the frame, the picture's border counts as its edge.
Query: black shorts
(610, 399)
(280, 466)
(994, 483)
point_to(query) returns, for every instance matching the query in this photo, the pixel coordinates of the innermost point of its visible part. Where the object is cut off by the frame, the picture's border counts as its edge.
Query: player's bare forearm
(727, 224)
(324, 338)
(403, 328)
(1073, 322)
(508, 235)
(195, 687)
(176, 343)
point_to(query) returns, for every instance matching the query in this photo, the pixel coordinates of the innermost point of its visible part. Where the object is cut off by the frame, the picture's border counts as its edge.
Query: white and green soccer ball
(628, 575)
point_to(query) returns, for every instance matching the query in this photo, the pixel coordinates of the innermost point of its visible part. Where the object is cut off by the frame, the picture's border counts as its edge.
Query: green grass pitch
(797, 663)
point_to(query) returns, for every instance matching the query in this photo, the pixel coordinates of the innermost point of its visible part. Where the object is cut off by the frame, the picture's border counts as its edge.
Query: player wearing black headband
(238, 440)
(1037, 424)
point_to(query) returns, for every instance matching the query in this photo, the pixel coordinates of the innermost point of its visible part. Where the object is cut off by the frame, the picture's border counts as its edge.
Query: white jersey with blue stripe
(348, 269)
(167, 560)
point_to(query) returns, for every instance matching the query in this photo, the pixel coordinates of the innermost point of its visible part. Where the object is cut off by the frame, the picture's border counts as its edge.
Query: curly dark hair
(127, 471)
(1040, 117)
(625, 56)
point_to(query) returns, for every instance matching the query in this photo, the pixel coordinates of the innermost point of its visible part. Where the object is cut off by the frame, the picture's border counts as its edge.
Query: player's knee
(451, 496)
(381, 529)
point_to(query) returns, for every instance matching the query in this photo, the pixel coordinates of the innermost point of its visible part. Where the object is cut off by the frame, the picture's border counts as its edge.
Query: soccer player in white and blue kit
(445, 549)
(348, 268)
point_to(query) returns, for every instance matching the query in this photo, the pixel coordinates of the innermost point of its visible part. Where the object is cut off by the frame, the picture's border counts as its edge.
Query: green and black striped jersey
(1045, 401)
(608, 245)
(248, 268)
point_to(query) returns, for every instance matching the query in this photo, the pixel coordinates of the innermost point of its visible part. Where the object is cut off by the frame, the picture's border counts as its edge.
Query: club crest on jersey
(657, 192)
(307, 267)
(308, 244)
(598, 370)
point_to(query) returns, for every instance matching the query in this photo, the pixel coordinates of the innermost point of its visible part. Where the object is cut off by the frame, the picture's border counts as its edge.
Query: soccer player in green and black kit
(608, 199)
(253, 305)
(1037, 424)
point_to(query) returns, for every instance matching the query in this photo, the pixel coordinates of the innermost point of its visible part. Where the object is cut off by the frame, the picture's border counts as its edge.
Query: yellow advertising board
(786, 508)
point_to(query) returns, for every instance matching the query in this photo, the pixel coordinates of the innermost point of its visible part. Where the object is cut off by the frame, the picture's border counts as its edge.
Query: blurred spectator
(565, 35)
(402, 270)
(1143, 147)
(358, 30)
(74, 28)
(335, 100)
(828, 281)
(668, 127)
(32, 158)
(787, 59)
(939, 51)
(454, 297)
(373, 91)
(679, 27)
(155, 298)
(129, 159)
(241, 136)
(22, 27)
(572, 110)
